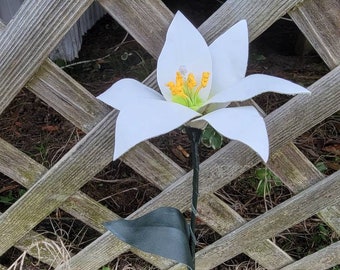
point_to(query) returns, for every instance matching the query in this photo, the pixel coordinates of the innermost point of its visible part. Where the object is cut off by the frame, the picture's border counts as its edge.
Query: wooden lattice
(25, 44)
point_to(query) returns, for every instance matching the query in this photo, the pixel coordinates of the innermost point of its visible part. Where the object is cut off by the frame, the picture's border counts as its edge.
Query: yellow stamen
(185, 91)
(172, 87)
(205, 79)
(179, 79)
(191, 82)
(176, 90)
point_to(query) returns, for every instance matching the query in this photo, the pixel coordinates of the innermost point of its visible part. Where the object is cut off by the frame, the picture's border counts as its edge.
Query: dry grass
(57, 251)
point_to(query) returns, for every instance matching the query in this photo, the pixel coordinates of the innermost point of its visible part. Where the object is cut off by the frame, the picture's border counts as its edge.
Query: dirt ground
(109, 54)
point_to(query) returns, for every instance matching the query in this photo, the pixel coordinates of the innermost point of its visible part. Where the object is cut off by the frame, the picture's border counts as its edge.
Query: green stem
(194, 135)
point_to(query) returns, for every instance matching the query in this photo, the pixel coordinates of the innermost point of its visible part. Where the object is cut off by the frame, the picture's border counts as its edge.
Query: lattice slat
(322, 259)
(302, 174)
(320, 23)
(146, 21)
(42, 25)
(259, 15)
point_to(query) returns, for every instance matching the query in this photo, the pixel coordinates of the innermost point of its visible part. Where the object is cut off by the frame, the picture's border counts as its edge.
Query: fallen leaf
(11, 187)
(178, 154)
(183, 151)
(50, 128)
(333, 165)
(334, 149)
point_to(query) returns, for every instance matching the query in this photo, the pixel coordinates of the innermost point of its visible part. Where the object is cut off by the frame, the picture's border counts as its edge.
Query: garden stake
(194, 135)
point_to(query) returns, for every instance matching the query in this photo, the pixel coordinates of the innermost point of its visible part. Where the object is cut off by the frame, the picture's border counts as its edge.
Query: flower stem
(194, 135)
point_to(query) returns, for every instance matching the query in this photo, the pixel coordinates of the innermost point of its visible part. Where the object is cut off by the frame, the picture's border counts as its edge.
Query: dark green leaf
(6, 200)
(208, 131)
(261, 173)
(321, 166)
(162, 232)
(211, 138)
(263, 188)
(9, 199)
(216, 141)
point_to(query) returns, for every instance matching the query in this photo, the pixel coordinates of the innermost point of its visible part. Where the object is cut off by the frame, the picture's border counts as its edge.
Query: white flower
(197, 82)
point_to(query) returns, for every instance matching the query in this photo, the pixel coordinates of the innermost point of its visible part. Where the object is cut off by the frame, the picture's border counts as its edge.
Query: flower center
(185, 90)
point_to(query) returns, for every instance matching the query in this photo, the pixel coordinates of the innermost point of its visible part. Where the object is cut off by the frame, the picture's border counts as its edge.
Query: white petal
(256, 84)
(244, 124)
(148, 119)
(185, 49)
(229, 53)
(126, 92)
